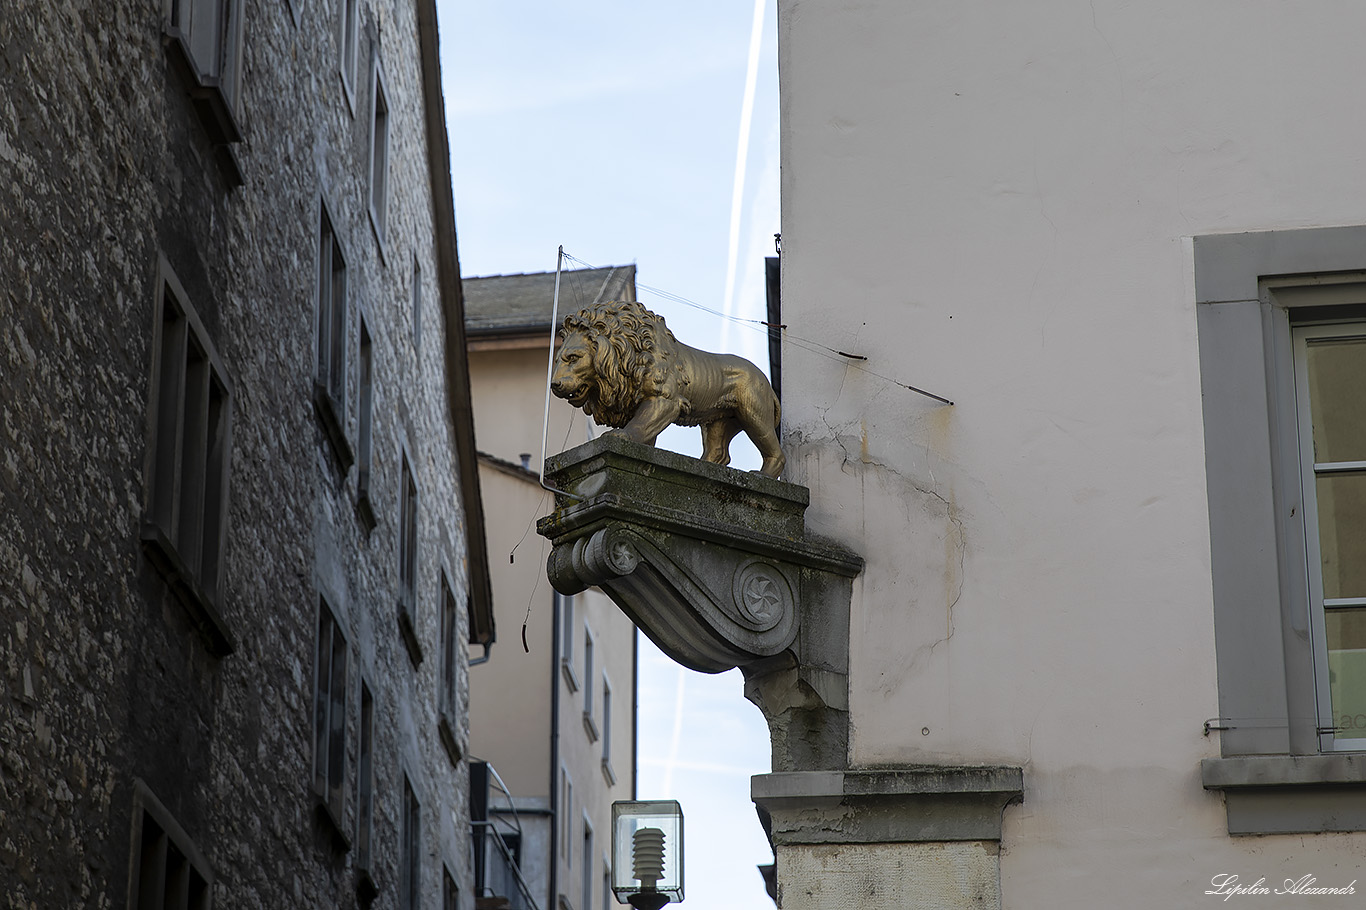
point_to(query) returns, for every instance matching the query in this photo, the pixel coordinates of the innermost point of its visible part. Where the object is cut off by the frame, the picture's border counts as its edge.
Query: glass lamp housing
(639, 829)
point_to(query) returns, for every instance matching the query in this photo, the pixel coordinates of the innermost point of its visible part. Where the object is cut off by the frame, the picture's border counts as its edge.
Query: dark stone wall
(105, 168)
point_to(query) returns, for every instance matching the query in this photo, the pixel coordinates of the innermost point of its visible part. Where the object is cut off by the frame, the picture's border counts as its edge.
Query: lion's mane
(634, 356)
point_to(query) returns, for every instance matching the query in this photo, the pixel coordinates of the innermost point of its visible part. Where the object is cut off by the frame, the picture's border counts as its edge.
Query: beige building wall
(510, 694)
(565, 774)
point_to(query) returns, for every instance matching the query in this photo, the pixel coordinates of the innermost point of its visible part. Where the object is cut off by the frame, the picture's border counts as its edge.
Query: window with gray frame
(184, 526)
(379, 152)
(365, 786)
(329, 714)
(407, 560)
(329, 386)
(564, 605)
(1281, 317)
(450, 894)
(365, 426)
(350, 34)
(449, 696)
(588, 860)
(410, 850)
(169, 872)
(590, 725)
(607, 770)
(450, 650)
(417, 309)
(204, 38)
(1330, 402)
(566, 816)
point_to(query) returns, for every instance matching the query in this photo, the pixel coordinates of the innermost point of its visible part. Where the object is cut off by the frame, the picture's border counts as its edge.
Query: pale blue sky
(612, 128)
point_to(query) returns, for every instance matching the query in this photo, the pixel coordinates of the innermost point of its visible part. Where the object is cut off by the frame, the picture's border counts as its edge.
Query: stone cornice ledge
(1282, 771)
(903, 805)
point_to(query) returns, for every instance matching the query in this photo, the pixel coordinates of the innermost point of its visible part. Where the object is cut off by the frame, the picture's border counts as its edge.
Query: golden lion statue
(620, 363)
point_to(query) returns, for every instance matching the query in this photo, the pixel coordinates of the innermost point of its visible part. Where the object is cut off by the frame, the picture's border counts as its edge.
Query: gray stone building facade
(242, 550)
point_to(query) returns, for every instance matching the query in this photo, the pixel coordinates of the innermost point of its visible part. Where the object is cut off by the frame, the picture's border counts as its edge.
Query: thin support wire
(550, 372)
(814, 347)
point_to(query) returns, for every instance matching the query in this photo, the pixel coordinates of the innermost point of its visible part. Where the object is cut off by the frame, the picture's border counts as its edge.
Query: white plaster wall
(993, 201)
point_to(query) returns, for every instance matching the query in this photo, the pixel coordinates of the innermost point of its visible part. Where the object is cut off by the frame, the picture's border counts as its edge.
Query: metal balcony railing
(497, 837)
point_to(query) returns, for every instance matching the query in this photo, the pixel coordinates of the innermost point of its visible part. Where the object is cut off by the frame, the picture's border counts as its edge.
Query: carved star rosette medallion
(762, 595)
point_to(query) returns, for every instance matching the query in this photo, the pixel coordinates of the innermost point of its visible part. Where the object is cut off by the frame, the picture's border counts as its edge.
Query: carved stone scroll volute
(707, 608)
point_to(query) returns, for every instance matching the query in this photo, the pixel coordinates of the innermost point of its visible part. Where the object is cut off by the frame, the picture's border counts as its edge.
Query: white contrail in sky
(756, 36)
(677, 739)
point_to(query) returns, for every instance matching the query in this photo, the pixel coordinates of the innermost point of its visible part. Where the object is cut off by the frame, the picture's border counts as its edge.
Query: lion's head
(614, 355)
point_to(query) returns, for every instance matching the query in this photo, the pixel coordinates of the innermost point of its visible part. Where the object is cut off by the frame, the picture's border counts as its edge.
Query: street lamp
(647, 853)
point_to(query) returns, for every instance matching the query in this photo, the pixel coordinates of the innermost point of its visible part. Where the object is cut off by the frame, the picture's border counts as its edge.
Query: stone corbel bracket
(711, 563)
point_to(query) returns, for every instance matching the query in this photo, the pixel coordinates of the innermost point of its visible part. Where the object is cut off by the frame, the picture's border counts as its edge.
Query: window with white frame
(1281, 317)
(184, 527)
(205, 40)
(379, 153)
(329, 713)
(1330, 393)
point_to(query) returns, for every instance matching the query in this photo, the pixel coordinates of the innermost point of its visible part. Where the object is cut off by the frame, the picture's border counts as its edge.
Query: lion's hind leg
(716, 437)
(758, 420)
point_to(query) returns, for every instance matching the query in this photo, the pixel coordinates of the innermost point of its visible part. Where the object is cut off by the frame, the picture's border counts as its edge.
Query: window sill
(590, 726)
(408, 630)
(211, 105)
(378, 228)
(203, 613)
(347, 92)
(1290, 794)
(226, 158)
(448, 739)
(332, 820)
(366, 889)
(571, 678)
(365, 510)
(329, 414)
(608, 774)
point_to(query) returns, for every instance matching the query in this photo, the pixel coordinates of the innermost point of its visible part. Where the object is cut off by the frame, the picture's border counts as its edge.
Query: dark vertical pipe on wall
(773, 284)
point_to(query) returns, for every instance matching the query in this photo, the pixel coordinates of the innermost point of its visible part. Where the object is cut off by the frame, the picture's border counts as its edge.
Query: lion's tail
(777, 412)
